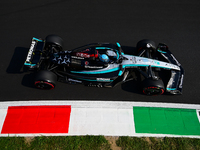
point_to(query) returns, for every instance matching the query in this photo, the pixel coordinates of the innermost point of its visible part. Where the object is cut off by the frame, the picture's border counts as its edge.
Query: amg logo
(30, 52)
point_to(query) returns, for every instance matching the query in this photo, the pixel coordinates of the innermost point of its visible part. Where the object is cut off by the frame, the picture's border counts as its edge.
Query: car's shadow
(16, 66)
(17, 61)
(132, 86)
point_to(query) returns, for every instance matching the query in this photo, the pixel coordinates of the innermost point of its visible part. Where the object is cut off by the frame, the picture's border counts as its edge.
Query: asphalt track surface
(82, 22)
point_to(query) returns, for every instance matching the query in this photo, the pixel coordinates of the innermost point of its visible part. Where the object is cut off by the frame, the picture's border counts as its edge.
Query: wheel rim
(153, 91)
(44, 85)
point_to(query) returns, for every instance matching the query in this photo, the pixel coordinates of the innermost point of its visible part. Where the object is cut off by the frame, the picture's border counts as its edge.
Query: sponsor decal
(30, 52)
(84, 55)
(86, 63)
(103, 79)
(72, 80)
(77, 57)
(133, 59)
(181, 83)
(95, 85)
(74, 61)
(99, 67)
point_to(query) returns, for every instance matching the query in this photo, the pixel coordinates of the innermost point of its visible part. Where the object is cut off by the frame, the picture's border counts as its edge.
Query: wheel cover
(153, 91)
(44, 85)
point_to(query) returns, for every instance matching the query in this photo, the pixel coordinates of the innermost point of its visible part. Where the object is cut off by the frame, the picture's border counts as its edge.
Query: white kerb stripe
(101, 121)
(3, 113)
(198, 114)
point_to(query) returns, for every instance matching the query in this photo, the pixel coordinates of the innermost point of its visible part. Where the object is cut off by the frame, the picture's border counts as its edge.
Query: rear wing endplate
(34, 53)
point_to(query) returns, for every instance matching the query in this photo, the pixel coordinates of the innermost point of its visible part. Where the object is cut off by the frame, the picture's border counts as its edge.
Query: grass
(97, 143)
(12, 143)
(131, 143)
(55, 143)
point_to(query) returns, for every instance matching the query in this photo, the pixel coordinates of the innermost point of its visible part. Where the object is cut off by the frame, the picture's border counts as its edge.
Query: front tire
(147, 45)
(142, 44)
(45, 80)
(153, 87)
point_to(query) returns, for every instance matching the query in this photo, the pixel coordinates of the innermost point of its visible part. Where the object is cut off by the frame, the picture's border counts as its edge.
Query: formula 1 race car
(104, 65)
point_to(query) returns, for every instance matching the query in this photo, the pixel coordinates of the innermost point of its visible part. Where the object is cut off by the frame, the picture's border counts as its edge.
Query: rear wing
(34, 54)
(175, 83)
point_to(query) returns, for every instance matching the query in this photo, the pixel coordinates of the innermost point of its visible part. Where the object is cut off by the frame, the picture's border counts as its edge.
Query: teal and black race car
(104, 65)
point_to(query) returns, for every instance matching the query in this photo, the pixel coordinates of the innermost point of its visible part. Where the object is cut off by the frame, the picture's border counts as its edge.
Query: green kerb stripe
(166, 121)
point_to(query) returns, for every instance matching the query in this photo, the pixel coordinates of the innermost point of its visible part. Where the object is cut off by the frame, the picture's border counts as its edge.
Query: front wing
(175, 83)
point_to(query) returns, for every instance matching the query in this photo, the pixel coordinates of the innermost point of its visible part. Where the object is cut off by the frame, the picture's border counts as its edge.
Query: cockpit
(104, 54)
(89, 57)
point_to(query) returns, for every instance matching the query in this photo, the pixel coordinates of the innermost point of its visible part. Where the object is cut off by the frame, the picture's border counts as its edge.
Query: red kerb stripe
(37, 119)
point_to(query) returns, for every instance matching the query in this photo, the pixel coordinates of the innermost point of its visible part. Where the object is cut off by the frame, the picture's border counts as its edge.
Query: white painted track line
(99, 104)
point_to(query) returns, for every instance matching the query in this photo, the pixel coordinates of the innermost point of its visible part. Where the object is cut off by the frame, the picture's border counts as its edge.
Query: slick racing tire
(54, 41)
(147, 45)
(45, 80)
(153, 87)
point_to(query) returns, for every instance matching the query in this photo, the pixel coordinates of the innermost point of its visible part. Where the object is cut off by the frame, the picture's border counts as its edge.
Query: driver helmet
(104, 58)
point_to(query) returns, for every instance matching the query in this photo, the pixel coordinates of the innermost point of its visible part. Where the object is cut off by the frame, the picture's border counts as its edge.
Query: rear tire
(54, 41)
(45, 80)
(153, 87)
